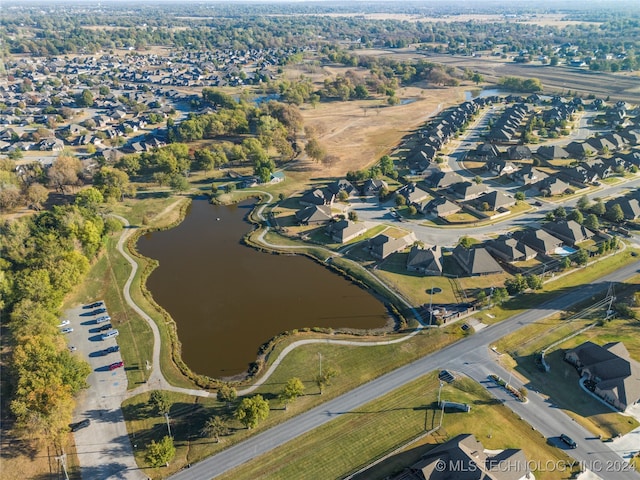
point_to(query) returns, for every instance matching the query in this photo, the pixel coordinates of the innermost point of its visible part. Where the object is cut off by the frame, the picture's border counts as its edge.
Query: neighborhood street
(470, 356)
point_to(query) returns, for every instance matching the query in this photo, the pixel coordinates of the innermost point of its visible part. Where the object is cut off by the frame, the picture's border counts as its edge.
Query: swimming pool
(564, 251)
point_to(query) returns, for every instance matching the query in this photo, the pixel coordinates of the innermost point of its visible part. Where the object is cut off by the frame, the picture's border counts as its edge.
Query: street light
(166, 416)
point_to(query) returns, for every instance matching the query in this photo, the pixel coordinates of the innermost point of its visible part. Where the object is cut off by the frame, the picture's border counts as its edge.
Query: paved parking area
(104, 449)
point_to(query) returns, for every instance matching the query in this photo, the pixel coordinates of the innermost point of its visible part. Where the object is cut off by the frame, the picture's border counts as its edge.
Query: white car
(109, 334)
(67, 330)
(104, 318)
(64, 323)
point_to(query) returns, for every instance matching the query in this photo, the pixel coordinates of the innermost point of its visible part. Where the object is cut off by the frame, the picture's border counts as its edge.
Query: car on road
(568, 441)
(109, 334)
(99, 311)
(64, 323)
(94, 305)
(106, 327)
(104, 318)
(82, 424)
(115, 365)
(67, 330)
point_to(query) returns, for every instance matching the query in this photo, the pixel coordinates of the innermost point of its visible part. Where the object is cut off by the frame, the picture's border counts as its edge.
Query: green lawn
(395, 420)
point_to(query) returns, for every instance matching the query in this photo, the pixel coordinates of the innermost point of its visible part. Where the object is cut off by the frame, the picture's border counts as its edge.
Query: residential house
(342, 185)
(610, 371)
(551, 186)
(476, 261)
(501, 167)
(441, 207)
(468, 190)
(580, 149)
(519, 152)
(373, 186)
(630, 207)
(486, 151)
(413, 194)
(550, 152)
(443, 179)
(319, 196)
(480, 464)
(495, 201)
(381, 246)
(510, 249)
(601, 145)
(528, 175)
(580, 173)
(344, 231)
(314, 215)
(540, 240)
(426, 261)
(569, 231)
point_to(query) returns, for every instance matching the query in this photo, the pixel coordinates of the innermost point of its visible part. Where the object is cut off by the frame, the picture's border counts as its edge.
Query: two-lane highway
(470, 356)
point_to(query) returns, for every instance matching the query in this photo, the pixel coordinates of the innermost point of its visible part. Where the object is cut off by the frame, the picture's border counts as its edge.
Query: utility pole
(62, 460)
(431, 306)
(320, 358)
(440, 390)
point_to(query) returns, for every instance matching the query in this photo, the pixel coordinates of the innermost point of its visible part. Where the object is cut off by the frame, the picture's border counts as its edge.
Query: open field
(336, 449)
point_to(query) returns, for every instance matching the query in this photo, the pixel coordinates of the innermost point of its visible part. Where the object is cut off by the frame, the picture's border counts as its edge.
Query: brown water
(228, 299)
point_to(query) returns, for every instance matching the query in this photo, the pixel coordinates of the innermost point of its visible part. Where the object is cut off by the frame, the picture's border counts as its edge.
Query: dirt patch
(357, 133)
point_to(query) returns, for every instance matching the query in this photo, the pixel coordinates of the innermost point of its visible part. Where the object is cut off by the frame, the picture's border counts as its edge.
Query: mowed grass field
(352, 440)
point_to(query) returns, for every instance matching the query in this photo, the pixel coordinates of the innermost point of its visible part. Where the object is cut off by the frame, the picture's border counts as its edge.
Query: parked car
(113, 349)
(67, 330)
(568, 441)
(94, 305)
(104, 318)
(113, 366)
(82, 424)
(109, 334)
(64, 323)
(72, 348)
(106, 327)
(99, 311)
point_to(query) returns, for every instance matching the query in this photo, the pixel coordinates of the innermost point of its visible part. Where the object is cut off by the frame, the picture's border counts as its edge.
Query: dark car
(94, 305)
(104, 328)
(113, 366)
(99, 311)
(113, 349)
(568, 441)
(82, 424)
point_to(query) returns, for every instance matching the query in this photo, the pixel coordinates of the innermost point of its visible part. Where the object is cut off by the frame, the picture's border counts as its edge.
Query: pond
(227, 299)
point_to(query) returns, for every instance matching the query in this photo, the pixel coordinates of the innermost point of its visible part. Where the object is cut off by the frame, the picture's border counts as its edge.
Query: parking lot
(103, 445)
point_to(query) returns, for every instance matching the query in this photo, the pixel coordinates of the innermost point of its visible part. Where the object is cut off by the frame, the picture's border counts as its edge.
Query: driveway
(104, 449)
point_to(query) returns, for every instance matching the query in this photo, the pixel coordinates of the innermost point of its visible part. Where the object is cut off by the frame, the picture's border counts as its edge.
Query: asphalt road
(470, 356)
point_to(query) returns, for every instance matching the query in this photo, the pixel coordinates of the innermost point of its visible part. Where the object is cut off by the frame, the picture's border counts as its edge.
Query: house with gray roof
(319, 196)
(569, 231)
(441, 207)
(343, 231)
(510, 249)
(314, 215)
(630, 207)
(479, 464)
(549, 152)
(426, 261)
(613, 374)
(443, 179)
(468, 190)
(381, 246)
(497, 201)
(551, 186)
(528, 175)
(373, 187)
(476, 261)
(540, 240)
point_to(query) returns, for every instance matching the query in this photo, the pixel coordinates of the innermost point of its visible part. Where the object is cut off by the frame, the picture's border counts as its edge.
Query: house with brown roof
(610, 370)
(465, 458)
(495, 200)
(441, 207)
(314, 215)
(426, 261)
(510, 249)
(468, 190)
(540, 240)
(476, 261)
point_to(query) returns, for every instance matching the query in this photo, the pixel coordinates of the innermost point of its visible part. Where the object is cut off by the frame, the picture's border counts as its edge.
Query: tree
(499, 296)
(315, 150)
(477, 78)
(89, 198)
(64, 172)
(583, 203)
(581, 257)
(534, 282)
(400, 200)
(292, 390)
(159, 399)
(565, 263)
(412, 210)
(560, 212)
(214, 427)
(615, 213)
(576, 215)
(520, 196)
(113, 183)
(353, 215)
(160, 453)
(323, 379)
(591, 222)
(36, 195)
(252, 410)
(477, 179)
(598, 208)
(85, 98)
(226, 393)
